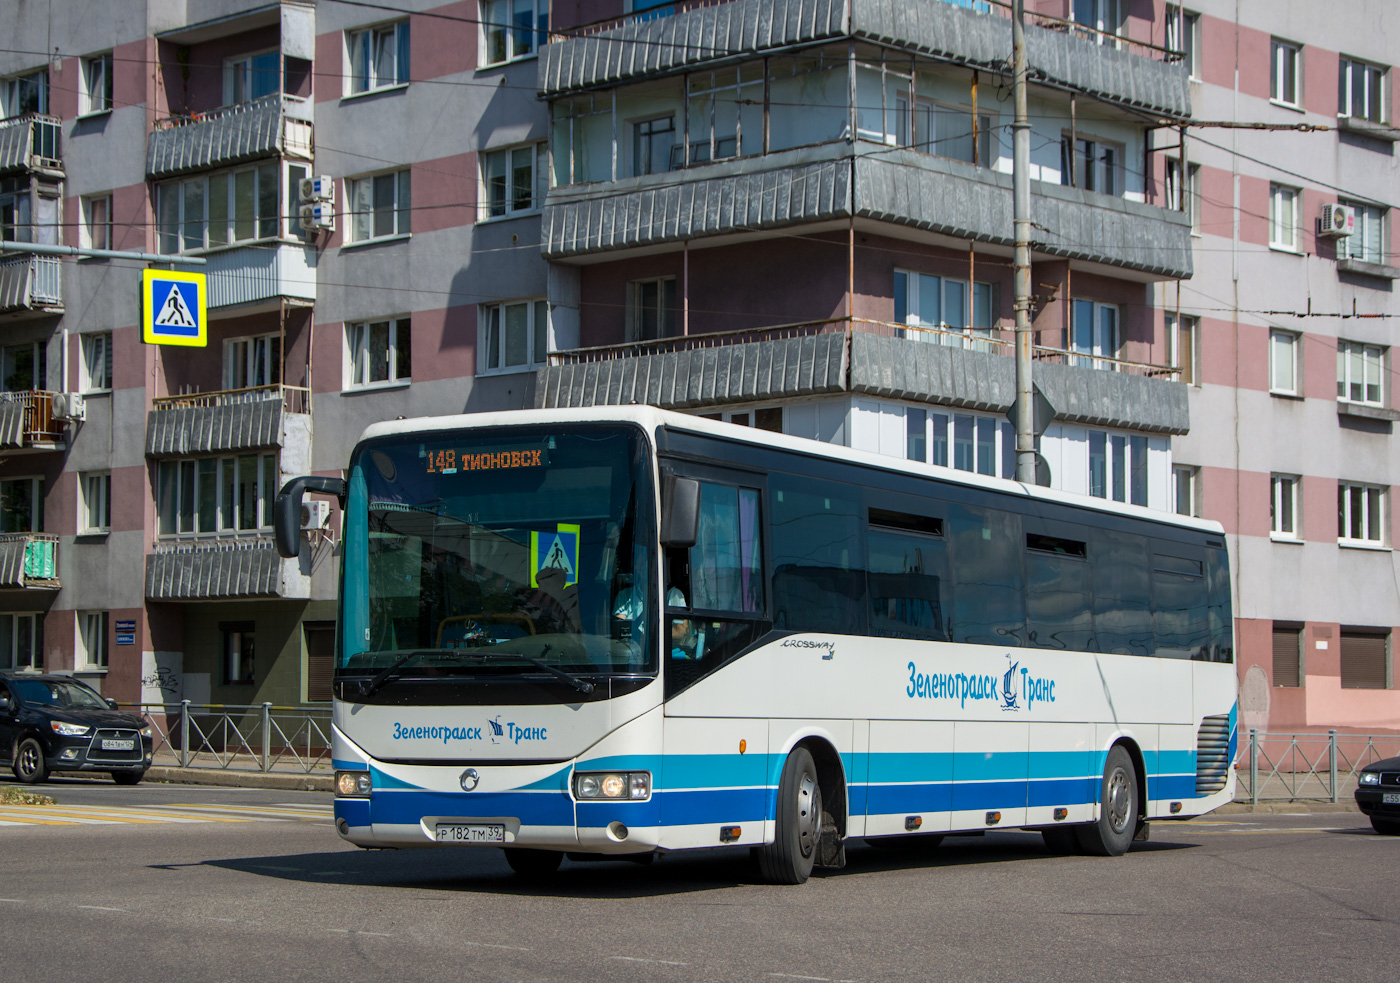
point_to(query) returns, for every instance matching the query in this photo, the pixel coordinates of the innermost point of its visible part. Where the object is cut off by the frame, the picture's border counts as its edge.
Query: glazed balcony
(277, 125)
(28, 561)
(31, 142)
(27, 422)
(252, 279)
(30, 285)
(973, 370)
(230, 420)
(222, 569)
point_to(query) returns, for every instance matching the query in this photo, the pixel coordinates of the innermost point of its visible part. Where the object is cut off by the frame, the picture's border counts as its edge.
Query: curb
(241, 779)
(1286, 807)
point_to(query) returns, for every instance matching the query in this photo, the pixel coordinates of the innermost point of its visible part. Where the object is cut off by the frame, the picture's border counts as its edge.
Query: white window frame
(538, 184)
(516, 40)
(1285, 55)
(238, 77)
(253, 351)
(1191, 203)
(951, 434)
(360, 222)
(1186, 477)
(1367, 242)
(94, 501)
(1370, 360)
(748, 417)
(96, 366)
(1372, 502)
(1355, 101)
(1285, 508)
(95, 95)
(229, 181)
(94, 639)
(367, 49)
(10, 91)
(1284, 202)
(1289, 382)
(226, 520)
(358, 335)
(1101, 176)
(1104, 22)
(916, 286)
(635, 308)
(1092, 347)
(1189, 361)
(1184, 35)
(10, 659)
(96, 229)
(493, 343)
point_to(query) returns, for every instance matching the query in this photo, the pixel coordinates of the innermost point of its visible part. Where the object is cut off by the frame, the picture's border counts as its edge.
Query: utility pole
(1021, 263)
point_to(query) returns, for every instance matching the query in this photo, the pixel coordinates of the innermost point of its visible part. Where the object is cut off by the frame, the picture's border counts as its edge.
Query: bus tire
(789, 858)
(1061, 840)
(1112, 833)
(533, 864)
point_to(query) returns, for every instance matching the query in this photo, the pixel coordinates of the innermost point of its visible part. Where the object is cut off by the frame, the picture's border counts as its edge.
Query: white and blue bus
(622, 631)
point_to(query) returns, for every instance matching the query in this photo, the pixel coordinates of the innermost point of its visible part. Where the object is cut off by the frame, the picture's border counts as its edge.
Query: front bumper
(85, 753)
(1371, 801)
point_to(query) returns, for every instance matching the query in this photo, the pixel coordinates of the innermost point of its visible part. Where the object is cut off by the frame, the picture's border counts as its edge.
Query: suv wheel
(29, 766)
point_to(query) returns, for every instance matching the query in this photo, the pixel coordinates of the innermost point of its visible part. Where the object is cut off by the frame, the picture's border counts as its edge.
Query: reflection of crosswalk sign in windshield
(174, 308)
(551, 551)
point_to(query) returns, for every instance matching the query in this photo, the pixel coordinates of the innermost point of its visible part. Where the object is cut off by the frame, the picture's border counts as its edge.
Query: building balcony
(28, 561)
(207, 570)
(30, 286)
(273, 126)
(866, 181)
(254, 279)
(231, 420)
(31, 142)
(895, 361)
(27, 422)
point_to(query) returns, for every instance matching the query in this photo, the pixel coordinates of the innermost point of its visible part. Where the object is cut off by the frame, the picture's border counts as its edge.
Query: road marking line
(659, 962)
(11, 901)
(493, 945)
(791, 976)
(98, 814)
(351, 931)
(98, 907)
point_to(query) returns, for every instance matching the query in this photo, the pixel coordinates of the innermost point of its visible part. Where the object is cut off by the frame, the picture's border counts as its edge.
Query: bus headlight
(635, 785)
(1369, 778)
(352, 784)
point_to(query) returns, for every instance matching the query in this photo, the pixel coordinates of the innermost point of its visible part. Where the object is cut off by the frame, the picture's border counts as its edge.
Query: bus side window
(907, 573)
(726, 562)
(818, 556)
(1179, 607)
(1222, 621)
(989, 604)
(1122, 594)
(1059, 592)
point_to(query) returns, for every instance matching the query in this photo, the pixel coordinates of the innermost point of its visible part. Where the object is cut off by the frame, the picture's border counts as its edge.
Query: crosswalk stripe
(118, 815)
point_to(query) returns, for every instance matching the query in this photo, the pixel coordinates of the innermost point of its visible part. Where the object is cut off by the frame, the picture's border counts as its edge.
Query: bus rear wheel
(1112, 833)
(789, 858)
(533, 864)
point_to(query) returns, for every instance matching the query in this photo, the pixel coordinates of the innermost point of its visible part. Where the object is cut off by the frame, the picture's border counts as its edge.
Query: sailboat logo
(1008, 687)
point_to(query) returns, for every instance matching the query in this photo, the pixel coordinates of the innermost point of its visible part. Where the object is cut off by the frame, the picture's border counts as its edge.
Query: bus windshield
(489, 551)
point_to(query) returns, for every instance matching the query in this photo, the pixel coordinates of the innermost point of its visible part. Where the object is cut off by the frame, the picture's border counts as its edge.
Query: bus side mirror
(680, 512)
(286, 511)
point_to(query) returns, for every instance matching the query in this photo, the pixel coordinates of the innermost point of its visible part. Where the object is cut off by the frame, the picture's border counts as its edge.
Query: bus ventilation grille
(1212, 754)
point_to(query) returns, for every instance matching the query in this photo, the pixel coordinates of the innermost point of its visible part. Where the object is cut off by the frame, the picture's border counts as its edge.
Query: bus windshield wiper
(368, 688)
(582, 685)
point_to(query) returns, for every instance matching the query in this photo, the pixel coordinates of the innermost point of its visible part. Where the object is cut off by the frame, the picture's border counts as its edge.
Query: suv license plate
(113, 745)
(488, 833)
(1390, 798)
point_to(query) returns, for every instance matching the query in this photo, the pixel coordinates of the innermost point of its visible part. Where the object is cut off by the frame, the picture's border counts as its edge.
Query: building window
(1360, 514)
(1283, 217)
(96, 94)
(938, 302)
(24, 367)
(252, 77)
(652, 140)
(1184, 35)
(1288, 655)
(1093, 332)
(1283, 362)
(1100, 19)
(513, 29)
(1095, 165)
(250, 362)
(1186, 490)
(961, 441)
(1191, 202)
(96, 230)
(1283, 507)
(943, 130)
(1361, 91)
(379, 205)
(651, 309)
(96, 506)
(378, 57)
(234, 206)
(21, 641)
(97, 362)
(1365, 659)
(21, 505)
(514, 336)
(1367, 240)
(216, 495)
(514, 180)
(1118, 467)
(320, 660)
(1181, 337)
(238, 651)
(769, 418)
(1284, 72)
(93, 639)
(23, 94)
(1359, 371)
(381, 352)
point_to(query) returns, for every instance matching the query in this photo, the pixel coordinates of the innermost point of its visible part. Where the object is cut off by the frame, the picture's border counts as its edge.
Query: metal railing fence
(1307, 766)
(256, 737)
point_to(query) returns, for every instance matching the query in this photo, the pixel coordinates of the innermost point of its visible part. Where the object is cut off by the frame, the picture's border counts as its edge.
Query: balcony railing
(230, 420)
(31, 141)
(192, 570)
(267, 127)
(28, 560)
(295, 399)
(27, 420)
(30, 283)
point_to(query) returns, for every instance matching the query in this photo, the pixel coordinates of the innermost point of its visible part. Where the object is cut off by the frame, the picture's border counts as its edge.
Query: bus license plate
(1390, 798)
(488, 833)
(109, 744)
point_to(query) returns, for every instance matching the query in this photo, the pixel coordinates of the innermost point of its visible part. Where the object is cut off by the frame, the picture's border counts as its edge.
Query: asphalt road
(239, 884)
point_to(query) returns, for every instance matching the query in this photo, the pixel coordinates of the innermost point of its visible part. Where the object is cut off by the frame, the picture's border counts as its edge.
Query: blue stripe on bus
(599, 814)
(531, 808)
(355, 812)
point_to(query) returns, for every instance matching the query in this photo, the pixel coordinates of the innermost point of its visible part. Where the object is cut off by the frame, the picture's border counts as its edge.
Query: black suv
(55, 723)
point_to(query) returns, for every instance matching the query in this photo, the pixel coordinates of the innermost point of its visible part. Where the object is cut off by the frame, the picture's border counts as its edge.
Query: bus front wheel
(1113, 832)
(789, 858)
(533, 864)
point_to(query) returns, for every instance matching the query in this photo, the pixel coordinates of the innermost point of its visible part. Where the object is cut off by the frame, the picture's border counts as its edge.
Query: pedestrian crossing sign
(174, 308)
(556, 550)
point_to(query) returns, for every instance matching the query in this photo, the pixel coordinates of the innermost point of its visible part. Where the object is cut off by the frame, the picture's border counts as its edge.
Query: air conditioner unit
(319, 188)
(69, 406)
(1338, 220)
(315, 514)
(319, 217)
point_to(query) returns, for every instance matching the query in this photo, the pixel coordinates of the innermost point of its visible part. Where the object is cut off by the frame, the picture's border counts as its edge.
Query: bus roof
(650, 418)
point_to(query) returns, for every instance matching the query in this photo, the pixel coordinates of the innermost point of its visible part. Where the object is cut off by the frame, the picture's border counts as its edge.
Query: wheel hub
(809, 814)
(1120, 803)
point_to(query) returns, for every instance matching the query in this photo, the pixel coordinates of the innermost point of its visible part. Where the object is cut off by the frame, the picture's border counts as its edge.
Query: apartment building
(791, 216)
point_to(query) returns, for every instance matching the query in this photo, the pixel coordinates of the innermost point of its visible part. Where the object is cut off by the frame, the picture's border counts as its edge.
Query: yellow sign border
(149, 335)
